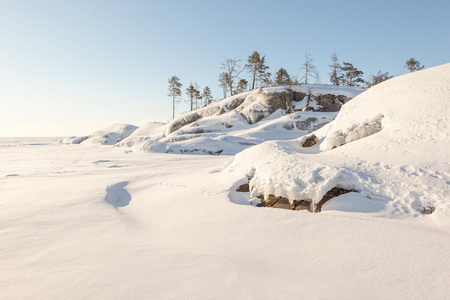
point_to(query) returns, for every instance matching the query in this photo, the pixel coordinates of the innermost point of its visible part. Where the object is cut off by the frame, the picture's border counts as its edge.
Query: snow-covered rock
(151, 130)
(108, 136)
(247, 119)
(235, 123)
(391, 143)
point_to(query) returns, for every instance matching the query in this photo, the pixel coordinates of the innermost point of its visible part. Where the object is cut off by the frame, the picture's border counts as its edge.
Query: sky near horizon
(74, 67)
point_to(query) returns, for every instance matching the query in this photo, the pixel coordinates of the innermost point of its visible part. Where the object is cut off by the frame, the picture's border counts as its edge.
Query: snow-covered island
(233, 124)
(130, 213)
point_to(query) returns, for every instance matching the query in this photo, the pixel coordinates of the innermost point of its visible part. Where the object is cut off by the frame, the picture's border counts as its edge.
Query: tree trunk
(173, 107)
(254, 78)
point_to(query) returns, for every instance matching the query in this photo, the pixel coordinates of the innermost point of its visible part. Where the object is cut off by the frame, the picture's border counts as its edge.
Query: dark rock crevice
(284, 203)
(334, 192)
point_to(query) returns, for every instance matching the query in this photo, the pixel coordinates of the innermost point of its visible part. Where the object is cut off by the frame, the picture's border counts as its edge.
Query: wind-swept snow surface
(104, 222)
(391, 144)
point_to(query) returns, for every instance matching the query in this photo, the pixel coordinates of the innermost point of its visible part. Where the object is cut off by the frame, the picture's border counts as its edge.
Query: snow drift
(108, 136)
(391, 144)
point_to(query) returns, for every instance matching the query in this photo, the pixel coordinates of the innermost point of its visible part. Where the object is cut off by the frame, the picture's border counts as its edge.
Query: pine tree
(174, 91)
(310, 69)
(197, 94)
(190, 92)
(232, 69)
(206, 95)
(282, 77)
(335, 74)
(267, 80)
(256, 67)
(242, 86)
(351, 75)
(376, 79)
(413, 65)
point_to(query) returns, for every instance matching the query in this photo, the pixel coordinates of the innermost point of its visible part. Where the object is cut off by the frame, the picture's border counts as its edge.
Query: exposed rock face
(195, 115)
(305, 124)
(310, 141)
(180, 122)
(428, 210)
(284, 203)
(282, 100)
(334, 192)
(235, 103)
(244, 188)
(329, 102)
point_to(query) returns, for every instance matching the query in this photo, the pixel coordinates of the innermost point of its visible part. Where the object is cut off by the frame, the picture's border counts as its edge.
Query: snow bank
(151, 130)
(108, 136)
(391, 143)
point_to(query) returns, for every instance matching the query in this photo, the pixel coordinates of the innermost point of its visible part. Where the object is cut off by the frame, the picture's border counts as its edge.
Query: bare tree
(310, 69)
(232, 69)
(223, 79)
(335, 74)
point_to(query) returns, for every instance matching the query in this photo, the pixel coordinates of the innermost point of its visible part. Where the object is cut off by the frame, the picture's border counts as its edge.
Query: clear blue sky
(75, 66)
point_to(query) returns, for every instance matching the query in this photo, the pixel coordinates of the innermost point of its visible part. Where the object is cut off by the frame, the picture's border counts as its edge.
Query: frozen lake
(108, 223)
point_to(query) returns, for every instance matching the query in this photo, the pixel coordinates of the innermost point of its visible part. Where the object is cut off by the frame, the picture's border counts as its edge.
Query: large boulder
(330, 102)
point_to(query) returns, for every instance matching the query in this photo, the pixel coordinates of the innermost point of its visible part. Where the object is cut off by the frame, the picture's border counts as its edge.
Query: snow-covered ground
(95, 221)
(106, 223)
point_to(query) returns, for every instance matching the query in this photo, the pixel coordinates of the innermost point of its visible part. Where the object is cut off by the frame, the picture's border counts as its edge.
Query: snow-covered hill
(390, 144)
(238, 122)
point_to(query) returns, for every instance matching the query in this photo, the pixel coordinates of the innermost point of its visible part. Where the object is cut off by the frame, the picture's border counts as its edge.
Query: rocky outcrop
(259, 104)
(285, 203)
(235, 103)
(180, 122)
(329, 102)
(310, 141)
(334, 192)
(191, 117)
(283, 100)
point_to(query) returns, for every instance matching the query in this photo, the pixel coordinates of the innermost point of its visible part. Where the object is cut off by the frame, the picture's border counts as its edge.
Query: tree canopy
(256, 67)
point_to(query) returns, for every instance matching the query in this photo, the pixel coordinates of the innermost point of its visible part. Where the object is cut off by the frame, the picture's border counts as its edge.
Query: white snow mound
(108, 136)
(391, 143)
